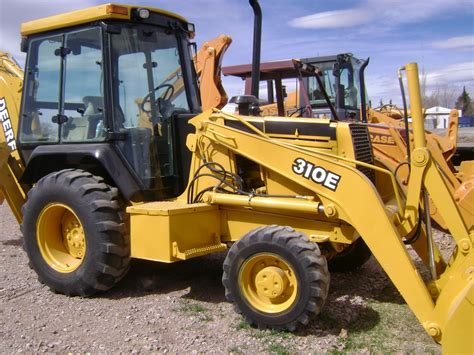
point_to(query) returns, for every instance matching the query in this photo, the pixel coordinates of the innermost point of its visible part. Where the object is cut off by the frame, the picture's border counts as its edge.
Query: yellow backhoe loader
(93, 187)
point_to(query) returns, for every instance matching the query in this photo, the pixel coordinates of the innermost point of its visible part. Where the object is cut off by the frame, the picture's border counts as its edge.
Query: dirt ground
(181, 308)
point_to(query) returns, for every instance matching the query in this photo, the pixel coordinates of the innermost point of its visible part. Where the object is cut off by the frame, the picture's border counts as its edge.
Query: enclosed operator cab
(341, 77)
(110, 88)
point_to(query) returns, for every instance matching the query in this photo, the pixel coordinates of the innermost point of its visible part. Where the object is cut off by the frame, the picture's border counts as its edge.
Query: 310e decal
(316, 174)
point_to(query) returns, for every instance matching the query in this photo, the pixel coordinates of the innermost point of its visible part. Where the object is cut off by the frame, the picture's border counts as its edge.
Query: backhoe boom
(11, 84)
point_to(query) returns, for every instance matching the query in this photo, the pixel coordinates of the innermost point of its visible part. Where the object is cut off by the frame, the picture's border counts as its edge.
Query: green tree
(464, 103)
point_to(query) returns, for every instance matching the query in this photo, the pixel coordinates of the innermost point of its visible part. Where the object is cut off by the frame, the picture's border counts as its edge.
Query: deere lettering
(7, 125)
(315, 173)
(382, 139)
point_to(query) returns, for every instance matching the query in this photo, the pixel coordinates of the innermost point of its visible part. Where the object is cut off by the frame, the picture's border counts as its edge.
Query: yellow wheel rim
(61, 238)
(268, 283)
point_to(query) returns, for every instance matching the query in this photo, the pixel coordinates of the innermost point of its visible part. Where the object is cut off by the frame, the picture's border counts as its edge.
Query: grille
(362, 148)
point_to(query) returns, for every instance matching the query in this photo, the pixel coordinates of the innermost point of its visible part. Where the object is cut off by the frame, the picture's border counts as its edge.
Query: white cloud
(459, 73)
(333, 19)
(455, 42)
(386, 13)
(376, 31)
(455, 76)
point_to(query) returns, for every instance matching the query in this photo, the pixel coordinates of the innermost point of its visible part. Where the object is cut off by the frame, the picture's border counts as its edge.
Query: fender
(100, 159)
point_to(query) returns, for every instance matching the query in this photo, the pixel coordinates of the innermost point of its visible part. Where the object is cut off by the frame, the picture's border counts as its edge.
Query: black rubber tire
(351, 258)
(306, 260)
(96, 204)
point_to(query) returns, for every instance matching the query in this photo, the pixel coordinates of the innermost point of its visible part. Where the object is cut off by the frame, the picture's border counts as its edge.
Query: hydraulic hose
(405, 115)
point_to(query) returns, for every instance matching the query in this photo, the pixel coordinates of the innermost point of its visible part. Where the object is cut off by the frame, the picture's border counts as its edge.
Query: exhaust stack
(257, 43)
(363, 101)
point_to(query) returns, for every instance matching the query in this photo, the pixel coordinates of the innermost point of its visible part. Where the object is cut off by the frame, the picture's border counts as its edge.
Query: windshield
(149, 86)
(315, 94)
(150, 78)
(348, 89)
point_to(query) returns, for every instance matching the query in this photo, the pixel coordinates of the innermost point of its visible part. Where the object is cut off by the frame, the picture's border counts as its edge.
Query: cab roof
(90, 14)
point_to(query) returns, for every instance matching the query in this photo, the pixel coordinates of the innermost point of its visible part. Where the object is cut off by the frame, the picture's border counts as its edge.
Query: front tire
(74, 234)
(276, 277)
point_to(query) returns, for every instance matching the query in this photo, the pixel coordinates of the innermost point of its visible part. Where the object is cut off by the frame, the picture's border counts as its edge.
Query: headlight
(191, 30)
(143, 13)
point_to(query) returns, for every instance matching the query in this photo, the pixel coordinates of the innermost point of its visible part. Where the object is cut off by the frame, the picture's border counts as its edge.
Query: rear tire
(74, 234)
(276, 277)
(351, 258)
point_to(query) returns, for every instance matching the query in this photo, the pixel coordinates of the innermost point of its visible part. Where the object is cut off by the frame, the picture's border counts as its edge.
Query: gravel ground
(181, 308)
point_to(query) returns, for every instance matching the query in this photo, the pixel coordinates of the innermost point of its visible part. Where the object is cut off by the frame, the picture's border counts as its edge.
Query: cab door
(63, 96)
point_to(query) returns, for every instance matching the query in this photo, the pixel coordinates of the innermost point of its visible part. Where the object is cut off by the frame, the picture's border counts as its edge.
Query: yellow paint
(359, 207)
(237, 222)
(459, 326)
(10, 188)
(298, 205)
(451, 320)
(11, 84)
(79, 17)
(416, 105)
(61, 238)
(169, 231)
(268, 283)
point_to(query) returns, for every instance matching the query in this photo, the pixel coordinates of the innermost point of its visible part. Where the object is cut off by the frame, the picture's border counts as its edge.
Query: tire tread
(104, 206)
(306, 252)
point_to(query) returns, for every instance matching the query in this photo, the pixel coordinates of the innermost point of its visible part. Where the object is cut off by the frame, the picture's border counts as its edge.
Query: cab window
(149, 88)
(64, 89)
(83, 82)
(41, 95)
(350, 86)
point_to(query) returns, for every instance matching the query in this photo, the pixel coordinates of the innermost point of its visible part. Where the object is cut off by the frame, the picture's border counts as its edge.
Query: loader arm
(344, 203)
(11, 168)
(443, 305)
(453, 316)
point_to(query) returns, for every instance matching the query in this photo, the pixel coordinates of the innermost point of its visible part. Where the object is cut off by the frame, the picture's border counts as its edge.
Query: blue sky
(438, 34)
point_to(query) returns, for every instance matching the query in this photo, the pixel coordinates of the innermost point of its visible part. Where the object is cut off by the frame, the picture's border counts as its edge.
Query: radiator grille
(362, 148)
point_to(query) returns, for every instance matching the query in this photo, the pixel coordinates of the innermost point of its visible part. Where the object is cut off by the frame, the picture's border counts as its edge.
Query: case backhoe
(93, 186)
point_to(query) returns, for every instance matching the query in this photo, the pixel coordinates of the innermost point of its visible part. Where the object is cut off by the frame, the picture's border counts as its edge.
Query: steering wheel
(167, 95)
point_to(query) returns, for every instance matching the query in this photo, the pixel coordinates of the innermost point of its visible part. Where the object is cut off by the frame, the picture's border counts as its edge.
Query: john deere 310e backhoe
(106, 155)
